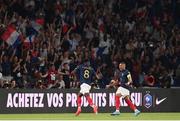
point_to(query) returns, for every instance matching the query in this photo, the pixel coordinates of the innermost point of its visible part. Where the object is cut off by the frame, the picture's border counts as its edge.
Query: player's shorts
(85, 88)
(123, 91)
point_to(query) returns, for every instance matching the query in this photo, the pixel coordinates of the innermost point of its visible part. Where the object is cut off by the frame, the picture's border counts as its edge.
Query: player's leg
(81, 93)
(91, 103)
(132, 106)
(125, 94)
(117, 103)
(79, 104)
(84, 90)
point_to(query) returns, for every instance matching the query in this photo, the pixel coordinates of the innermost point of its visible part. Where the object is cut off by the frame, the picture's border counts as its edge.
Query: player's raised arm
(73, 73)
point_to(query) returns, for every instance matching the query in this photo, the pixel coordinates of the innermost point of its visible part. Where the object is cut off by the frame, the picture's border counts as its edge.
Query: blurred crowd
(144, 34)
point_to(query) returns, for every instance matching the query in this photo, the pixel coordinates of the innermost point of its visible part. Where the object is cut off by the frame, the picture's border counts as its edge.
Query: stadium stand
(42, 41)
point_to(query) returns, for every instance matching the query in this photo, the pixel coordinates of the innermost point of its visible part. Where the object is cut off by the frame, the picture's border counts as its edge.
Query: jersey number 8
(86, 74)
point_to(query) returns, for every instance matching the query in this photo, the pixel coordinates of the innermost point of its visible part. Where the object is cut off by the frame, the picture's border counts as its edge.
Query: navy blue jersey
(124, 77)
(85, 74)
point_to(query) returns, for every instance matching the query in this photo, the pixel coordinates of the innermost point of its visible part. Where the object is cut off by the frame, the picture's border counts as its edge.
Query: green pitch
(91, 116)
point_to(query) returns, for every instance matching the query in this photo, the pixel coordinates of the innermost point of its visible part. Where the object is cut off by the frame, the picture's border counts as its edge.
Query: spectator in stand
(65, 71)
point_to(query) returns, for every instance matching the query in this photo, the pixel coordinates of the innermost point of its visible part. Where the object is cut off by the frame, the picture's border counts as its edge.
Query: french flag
(29, 40)
(11, 36)
(37, 24)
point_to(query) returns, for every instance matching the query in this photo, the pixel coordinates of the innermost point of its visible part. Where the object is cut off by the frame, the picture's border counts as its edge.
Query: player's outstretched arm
(73, 73)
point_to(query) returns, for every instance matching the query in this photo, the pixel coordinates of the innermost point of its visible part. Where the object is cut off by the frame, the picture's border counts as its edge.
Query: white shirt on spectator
(43, 53)
(106, 44)
(130, 25)
(74, 43)
(62, 84)
(89, 33)
(57, 40)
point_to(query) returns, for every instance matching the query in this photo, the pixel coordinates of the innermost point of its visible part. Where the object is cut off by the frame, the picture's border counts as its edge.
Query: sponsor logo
(160, 101)
(147, 100)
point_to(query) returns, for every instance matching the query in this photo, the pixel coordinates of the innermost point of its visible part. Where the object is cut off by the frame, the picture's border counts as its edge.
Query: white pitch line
(89, 120)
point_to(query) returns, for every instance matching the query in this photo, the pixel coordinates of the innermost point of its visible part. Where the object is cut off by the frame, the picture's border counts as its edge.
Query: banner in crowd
(64, 101)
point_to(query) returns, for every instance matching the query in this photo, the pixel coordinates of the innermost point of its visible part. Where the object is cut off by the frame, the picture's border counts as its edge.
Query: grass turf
(90, 116)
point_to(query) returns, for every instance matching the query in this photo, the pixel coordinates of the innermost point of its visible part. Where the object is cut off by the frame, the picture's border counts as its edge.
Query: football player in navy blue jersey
(85, 74)
(123, 84)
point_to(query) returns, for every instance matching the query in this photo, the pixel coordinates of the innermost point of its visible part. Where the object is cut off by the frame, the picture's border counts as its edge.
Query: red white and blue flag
(37, 24)
(29, 40)
(11, 36)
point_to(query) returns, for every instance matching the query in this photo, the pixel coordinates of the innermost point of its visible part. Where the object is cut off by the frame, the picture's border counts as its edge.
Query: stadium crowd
(54, 36)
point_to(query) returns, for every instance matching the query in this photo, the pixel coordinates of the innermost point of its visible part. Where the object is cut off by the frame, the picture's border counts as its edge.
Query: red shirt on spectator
(52, 75)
